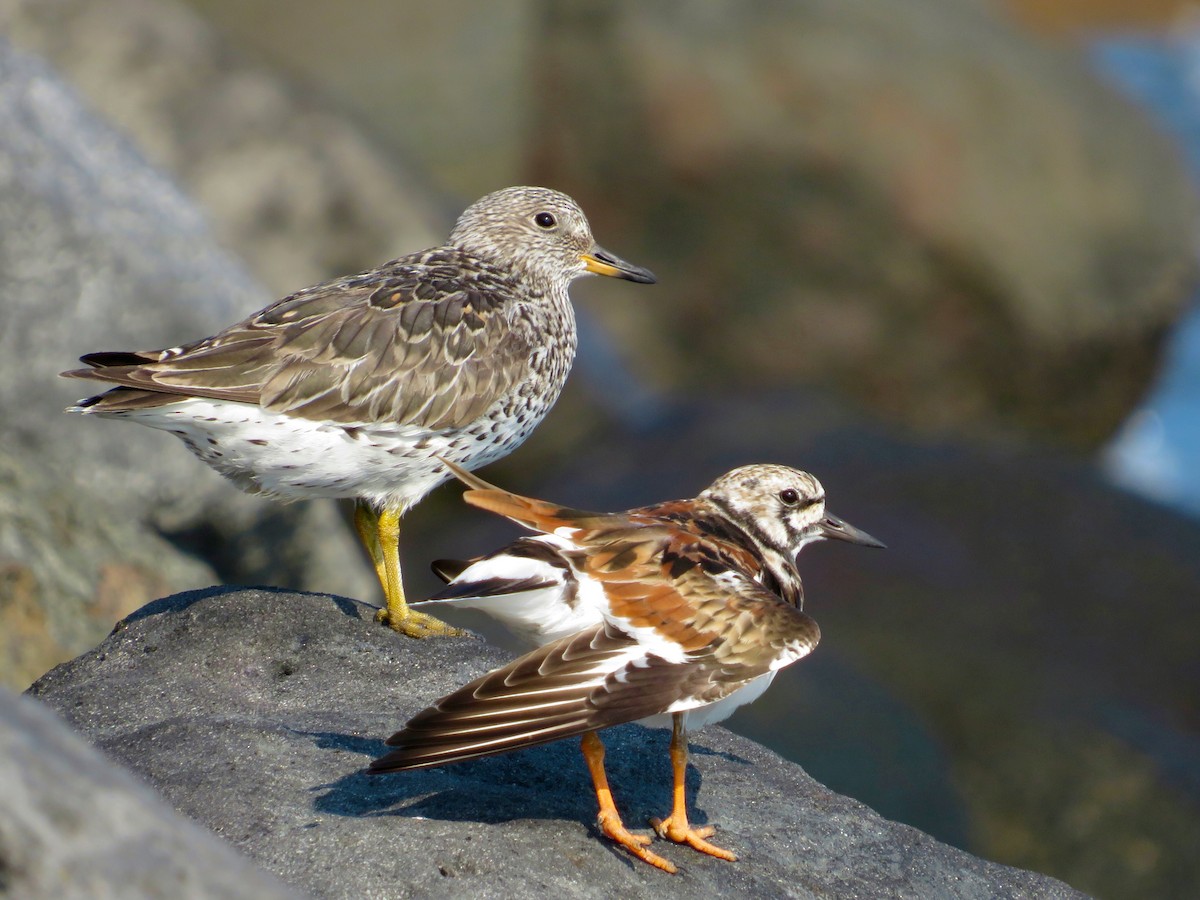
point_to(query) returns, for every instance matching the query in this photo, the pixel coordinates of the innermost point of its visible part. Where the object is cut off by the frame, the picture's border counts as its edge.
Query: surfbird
(675, 613)
(354, 388)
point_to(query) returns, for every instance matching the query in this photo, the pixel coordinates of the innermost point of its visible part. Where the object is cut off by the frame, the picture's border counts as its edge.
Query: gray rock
(1011, 619)
(73, 825)
(297, 189)
(68, 570)
(957, 225)
(961, 225)
(255, 712)
(101, 252)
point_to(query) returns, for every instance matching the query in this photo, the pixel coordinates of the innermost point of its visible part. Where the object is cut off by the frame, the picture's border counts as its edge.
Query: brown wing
(422, 340)
(674, 521)
(701, 595)
(602, 677)
(541, 697)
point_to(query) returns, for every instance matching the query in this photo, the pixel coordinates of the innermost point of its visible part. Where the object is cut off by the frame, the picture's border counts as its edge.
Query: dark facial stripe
(748, 528)
(778, 573)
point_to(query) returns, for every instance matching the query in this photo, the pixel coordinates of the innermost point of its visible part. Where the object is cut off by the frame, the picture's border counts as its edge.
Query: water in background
(1157, 452)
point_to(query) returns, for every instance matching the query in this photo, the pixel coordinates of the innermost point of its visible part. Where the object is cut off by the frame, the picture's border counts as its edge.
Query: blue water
(1157, 452)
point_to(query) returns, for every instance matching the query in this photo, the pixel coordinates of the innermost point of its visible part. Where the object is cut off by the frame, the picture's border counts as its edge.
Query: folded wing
(407, 343)
(598, 678)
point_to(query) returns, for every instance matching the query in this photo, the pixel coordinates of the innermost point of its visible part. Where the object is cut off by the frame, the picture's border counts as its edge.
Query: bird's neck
(776, 570)
(780, 577)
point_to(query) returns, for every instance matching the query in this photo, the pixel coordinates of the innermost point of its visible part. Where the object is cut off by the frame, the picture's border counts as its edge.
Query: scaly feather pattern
(354, 387)
(681, 599)
(684, 609)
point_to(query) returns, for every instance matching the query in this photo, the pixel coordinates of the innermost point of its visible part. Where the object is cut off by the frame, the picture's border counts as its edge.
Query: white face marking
(777, 504)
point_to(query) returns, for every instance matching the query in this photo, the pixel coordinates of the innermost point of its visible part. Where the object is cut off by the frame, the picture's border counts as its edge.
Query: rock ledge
(255, 711)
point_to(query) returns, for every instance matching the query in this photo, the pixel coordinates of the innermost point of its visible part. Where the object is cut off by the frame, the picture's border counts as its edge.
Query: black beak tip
(625, 270)
(865, 540)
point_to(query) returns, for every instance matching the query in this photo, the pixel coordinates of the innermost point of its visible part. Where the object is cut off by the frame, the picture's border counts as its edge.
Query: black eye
(545, 220)
(789, 496)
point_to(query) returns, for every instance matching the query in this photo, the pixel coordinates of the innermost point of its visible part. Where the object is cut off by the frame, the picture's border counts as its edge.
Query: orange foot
(615, 830)
(678, 830)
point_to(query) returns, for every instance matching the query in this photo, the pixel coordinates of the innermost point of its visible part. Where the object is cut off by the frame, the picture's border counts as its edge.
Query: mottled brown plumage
(354, 387)
(407, 343)
(685, 608)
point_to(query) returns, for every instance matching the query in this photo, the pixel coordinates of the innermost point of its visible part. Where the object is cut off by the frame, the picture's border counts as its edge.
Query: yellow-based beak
(601, 262)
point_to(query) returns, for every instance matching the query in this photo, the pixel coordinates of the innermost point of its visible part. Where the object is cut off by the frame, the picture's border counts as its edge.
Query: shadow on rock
(547, 782)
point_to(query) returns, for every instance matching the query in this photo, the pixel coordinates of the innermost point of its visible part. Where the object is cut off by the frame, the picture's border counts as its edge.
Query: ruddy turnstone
(678, 612)
(354, 388)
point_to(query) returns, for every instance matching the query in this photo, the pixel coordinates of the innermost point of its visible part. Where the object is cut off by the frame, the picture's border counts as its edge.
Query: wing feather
(686, 622)
(598, 678)
(393, 344)
(505, 709)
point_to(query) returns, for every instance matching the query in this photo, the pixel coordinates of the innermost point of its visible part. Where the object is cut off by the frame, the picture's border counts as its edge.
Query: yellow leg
(675, 827)
(366, 523)
(608, 818)
(380, 534)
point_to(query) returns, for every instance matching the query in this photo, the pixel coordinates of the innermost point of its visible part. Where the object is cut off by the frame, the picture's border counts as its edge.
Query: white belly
(698, 717)
(292, 458)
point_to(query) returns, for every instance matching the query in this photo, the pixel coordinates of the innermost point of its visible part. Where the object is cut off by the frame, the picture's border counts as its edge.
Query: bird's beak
(833, 527)
(601, 262)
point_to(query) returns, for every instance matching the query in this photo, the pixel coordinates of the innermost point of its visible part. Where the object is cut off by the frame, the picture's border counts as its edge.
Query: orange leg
(675, 827)
(609, 819)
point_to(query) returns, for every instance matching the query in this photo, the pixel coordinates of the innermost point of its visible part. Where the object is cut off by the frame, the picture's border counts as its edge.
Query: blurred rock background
(921, 249)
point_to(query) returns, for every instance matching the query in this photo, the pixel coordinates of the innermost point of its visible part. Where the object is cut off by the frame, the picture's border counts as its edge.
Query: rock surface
(1002, 643)
(68, 571)
(254, 712)
(956, 225)
(101, 252)
(73, 826)
(296, 188)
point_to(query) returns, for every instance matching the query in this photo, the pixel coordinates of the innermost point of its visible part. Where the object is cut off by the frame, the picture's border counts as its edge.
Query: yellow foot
(417, 624)
(683, 833)
(634, 843)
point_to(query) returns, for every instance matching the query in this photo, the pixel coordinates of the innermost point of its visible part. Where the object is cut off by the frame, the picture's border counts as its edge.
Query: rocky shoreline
(254, 713)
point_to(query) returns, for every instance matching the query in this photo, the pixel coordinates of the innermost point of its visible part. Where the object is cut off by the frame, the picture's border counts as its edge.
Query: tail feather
(106, 359)
(116, 367)
(449, 569)
(123, 400)
(536, 515)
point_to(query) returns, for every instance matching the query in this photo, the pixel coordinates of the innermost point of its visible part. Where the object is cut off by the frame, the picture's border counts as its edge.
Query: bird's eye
(789, 496)
(545, 220)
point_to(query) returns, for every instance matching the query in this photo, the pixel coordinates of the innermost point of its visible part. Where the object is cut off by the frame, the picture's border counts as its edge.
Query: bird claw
(634, 843)
(417, 624)
(683, 833)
